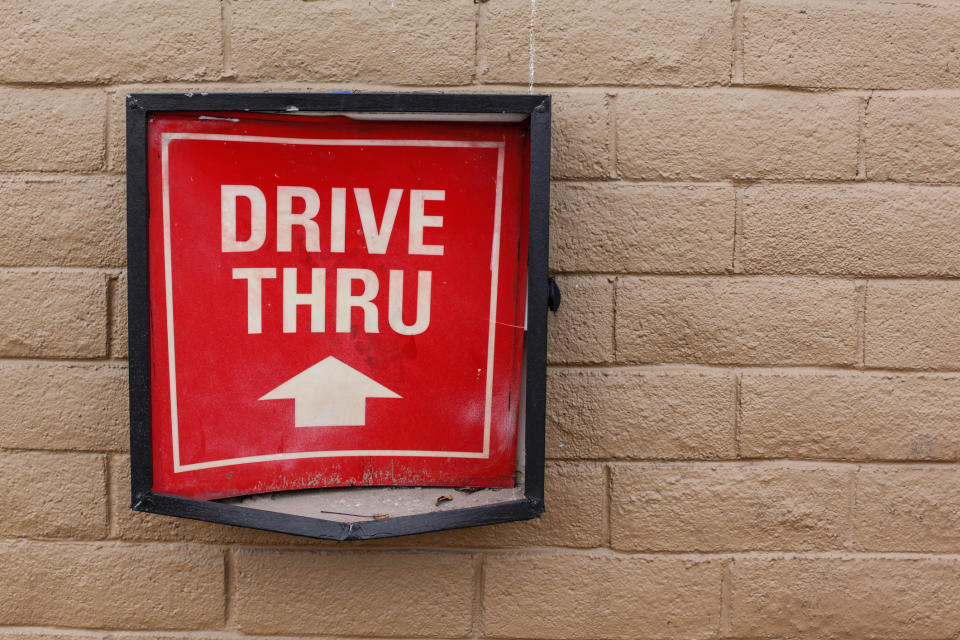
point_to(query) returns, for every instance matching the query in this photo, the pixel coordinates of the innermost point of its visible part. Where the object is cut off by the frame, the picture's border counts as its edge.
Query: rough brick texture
(403, 42)
(617, 227)
(850, 416)
(53, 495)
(871, 230)
(98, 585)
(855, 597)
(834, 43)
(110, 40)
(912, 137)
(581, 135)
(372, 593)
(52, 314)
(63, 406)
(69, 222)
(600, 597)
(625, 413)
(729, 507)
(725, 133)
(51, 129)
(912, 325)
(638, 42)
(737, 321)
(907, 509)
(584, 332)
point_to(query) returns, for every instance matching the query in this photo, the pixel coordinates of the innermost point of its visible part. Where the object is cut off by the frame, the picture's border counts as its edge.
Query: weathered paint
(334, 302)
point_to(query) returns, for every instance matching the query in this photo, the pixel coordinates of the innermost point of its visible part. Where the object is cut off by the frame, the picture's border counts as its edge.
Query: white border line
(167, 138)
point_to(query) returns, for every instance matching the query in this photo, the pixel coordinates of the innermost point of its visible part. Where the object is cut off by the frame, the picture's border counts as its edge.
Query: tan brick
(896, 230)
(51, 129)
(16, 634)
(629, 413)
(582, 331)
(62, 221)
(744, 133)
(118, 317)
(580, 128)
(632, 42)
(52, 314)
(736, 321)
(915, 598)
(110, 585)
(53, 495)
(63, 406)
(728, 507)
(620, 227)
(600, 596)
(835, 43)
(911, 324)
(907, 509)
(104, 41)
(850, 416)
(912, 138)
(403, 42)
(369, 593)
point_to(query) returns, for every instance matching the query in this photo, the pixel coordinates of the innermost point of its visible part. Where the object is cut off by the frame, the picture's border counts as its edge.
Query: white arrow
(329, 394)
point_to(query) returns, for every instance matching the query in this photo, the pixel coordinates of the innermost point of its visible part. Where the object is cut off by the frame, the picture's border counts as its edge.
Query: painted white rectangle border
(168, 138)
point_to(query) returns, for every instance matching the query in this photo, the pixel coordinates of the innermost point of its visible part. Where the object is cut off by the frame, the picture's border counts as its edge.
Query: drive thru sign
(334, 301)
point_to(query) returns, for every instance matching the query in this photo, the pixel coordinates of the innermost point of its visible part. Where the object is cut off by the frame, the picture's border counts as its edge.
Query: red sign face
(334, 302)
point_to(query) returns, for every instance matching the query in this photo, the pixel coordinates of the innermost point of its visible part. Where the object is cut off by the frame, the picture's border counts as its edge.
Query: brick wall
(754, 391)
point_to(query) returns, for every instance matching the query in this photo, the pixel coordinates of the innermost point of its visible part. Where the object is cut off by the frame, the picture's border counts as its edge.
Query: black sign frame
(537, 110)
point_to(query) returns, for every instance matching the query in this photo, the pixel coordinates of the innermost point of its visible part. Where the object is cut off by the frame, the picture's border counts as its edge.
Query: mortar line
(723, 275)
(229, 589)
(606, 528)
(107, 161)
(662, 368)
(862, 138)
(726, 577)
(666, 368)
(226, 21)
(861, 114)
(861, 288)
(616, 354)
(108, 480)
(479, 581)
(613, 137)
(737, 228)
(773, 461)
(595, 552)
(737, 413)
(531, 551)
(107, 271)
(736, 69)
(478, 7)
(111, 292)
(727, 181)
(533, 51)
(53, 175)
(850, 541)
(296, 85)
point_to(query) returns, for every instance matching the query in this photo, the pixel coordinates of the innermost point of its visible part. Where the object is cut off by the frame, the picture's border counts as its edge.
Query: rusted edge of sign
(536, 107)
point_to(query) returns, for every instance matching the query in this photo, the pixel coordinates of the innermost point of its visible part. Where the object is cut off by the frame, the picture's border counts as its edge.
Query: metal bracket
(553, 295)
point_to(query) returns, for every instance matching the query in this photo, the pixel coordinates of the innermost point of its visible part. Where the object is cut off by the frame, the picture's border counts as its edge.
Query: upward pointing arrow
(329, 394)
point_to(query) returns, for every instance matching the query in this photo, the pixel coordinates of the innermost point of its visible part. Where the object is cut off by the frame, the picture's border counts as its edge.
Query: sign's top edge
(342, 102)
